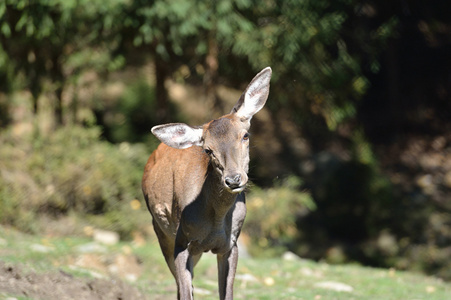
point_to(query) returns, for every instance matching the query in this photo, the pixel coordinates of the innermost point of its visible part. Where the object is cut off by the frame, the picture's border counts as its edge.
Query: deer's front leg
(184, 273)
(226, 272)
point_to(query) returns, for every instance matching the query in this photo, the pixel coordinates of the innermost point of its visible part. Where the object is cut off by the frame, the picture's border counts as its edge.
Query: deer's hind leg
(167, 246)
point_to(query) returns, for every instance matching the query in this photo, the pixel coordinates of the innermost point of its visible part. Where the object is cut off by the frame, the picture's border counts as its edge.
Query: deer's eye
(208, 151)
(246, 136)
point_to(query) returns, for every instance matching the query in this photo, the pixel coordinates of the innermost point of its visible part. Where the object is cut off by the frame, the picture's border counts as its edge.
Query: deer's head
(225, 140)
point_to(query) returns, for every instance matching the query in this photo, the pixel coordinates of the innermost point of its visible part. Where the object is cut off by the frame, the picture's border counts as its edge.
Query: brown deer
(193, 184)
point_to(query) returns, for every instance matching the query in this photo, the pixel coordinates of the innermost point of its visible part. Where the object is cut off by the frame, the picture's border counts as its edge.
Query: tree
(54, 41)
(324, 45)
(180, 32)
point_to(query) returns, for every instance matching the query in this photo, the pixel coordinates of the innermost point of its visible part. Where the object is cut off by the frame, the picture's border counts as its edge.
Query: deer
(193, 185)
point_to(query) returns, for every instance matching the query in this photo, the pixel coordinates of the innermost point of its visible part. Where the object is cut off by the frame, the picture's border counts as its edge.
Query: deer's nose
(233, 181)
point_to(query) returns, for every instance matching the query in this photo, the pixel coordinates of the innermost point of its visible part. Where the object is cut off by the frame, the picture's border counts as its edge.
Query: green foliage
(134, 114)
(172, 25)
(317, 53)
(48, 44)
(272, 215)
(311, 41)
(68, 171)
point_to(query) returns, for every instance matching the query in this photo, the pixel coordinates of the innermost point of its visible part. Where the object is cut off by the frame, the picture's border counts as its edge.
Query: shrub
(68, 171)
(272, 215)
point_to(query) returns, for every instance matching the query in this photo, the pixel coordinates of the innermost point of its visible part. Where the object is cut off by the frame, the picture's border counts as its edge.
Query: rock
(246, 277)
(290, 256)
(131, 277)
(200, 291)
(40, 248)
(269, 281)
(86, 271)
(335, 286)
(307, 272)
(91, 248)
(106, 237)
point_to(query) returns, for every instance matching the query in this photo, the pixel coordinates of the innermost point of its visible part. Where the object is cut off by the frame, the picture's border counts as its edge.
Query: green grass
(256, 278)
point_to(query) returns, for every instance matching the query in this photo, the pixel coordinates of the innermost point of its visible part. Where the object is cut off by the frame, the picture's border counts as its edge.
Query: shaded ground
(16, 282)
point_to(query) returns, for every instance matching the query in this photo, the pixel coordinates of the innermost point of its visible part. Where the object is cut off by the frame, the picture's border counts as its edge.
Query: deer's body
(194, 189)
(198, 203)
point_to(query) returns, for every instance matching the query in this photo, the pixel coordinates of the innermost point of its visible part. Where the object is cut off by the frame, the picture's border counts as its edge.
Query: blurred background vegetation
(351, 158)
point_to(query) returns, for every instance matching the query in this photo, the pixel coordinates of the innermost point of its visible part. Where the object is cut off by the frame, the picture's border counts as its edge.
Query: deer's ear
(254, 97)
(178, 135)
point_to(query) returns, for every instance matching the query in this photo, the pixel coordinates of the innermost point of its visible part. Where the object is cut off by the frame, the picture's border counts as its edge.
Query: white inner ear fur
(255, 95)
(179, 135)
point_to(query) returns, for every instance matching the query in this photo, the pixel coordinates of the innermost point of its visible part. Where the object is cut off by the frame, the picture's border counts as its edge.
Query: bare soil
(16, 282)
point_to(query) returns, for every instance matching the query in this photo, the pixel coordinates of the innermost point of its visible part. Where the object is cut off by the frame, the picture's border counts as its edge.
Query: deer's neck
(218, 200)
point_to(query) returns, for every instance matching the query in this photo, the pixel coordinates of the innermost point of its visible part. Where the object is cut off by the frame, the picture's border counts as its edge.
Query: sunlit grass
(256, 278)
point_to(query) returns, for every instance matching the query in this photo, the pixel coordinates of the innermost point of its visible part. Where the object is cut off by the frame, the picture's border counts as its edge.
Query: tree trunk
(59, 106)
(162, 98)
(35, 89)
(58, 79)
(211, 74)
(35, 105)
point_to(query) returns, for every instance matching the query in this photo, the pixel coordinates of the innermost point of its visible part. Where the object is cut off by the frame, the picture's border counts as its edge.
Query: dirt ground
(16, 282)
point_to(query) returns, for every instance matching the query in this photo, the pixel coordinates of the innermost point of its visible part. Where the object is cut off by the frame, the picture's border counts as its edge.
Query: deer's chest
(217, 237)
(217, 240)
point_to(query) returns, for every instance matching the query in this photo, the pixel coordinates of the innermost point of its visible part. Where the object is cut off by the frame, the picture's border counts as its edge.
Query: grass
(256, 278)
